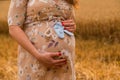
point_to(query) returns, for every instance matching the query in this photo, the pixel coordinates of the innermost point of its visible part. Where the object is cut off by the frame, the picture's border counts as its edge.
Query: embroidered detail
(31, 2)
(53, 43)
(48, 32)
(28, 77)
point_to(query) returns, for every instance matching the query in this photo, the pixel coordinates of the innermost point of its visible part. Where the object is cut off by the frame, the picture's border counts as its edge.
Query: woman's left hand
(69, 25)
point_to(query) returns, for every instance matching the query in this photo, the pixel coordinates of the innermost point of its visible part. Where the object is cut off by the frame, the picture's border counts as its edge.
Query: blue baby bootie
(68, 32)
(59, 29)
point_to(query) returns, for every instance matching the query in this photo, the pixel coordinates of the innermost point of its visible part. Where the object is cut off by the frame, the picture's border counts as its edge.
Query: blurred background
(97, 41)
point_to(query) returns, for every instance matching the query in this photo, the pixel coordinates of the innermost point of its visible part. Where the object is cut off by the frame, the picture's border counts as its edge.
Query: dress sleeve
(17, 12)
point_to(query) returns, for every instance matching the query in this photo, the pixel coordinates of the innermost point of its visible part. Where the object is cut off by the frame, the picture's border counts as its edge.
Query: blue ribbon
(59, 29)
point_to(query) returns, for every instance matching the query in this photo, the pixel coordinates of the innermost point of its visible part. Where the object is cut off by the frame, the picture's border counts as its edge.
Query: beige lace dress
(36, 19)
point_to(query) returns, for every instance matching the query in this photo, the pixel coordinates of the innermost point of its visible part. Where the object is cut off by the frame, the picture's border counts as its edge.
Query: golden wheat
(94, 60)
(97, 57)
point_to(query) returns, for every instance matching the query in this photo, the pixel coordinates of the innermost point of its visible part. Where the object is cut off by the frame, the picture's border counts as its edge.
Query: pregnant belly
(44, 38)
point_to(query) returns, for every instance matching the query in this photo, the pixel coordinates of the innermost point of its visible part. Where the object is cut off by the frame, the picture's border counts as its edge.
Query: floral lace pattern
(36, 18)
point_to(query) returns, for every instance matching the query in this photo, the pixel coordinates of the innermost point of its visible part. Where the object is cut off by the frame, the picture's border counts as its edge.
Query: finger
(55, 54)
(59, 61)
(70, 20)
(70, 27)
(71, 30)
(60, 64)
(68, 24)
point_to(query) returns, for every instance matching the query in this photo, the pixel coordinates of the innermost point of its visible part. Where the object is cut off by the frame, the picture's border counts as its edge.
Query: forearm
(18, 34)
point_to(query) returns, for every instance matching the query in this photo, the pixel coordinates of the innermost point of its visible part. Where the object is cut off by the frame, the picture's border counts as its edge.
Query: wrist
(36, 54)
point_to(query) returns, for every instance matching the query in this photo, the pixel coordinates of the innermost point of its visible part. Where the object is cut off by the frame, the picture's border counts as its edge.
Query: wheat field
(97, 41)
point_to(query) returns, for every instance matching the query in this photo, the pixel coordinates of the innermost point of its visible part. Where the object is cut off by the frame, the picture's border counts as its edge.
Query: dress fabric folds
(37, 18)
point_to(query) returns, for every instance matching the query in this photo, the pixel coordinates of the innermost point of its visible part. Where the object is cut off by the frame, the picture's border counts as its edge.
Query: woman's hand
(69, 25)
(48, 60)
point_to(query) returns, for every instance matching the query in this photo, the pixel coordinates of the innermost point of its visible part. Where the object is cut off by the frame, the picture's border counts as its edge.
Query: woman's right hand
(47, 58)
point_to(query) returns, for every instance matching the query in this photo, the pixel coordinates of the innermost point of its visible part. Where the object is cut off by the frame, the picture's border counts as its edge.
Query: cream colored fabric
(36, 18)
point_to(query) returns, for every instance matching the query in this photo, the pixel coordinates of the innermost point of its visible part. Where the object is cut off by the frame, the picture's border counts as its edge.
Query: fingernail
(59, 54)
(62, 23)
